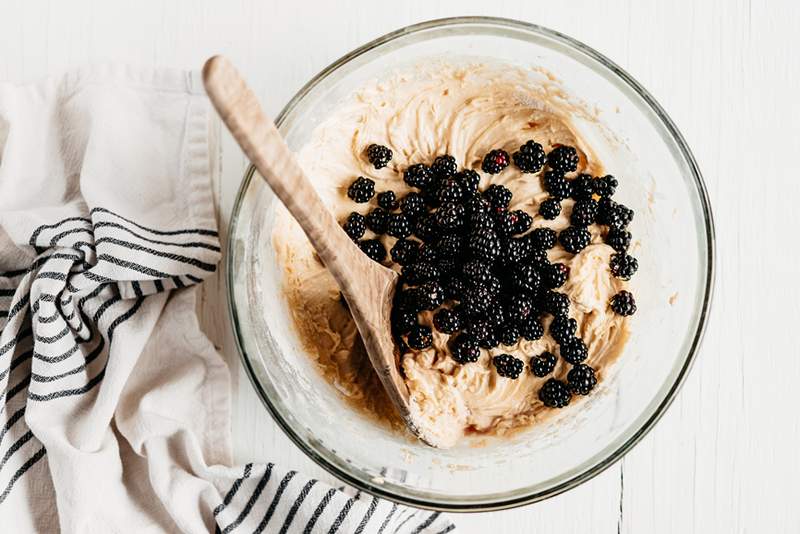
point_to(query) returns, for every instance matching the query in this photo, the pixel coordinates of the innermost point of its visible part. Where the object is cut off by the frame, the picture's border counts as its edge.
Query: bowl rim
(708, 293)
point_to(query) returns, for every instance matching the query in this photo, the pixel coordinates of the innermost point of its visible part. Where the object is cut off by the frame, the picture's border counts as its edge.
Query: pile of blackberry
(481, 267)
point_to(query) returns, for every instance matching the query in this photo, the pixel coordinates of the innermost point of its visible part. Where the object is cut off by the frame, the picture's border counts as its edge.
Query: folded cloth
(115, 409)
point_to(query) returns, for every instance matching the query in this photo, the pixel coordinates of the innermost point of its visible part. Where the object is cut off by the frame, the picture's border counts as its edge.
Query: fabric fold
(116, 407)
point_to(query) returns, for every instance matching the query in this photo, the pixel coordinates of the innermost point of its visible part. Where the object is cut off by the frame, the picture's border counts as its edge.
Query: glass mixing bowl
(637, 142)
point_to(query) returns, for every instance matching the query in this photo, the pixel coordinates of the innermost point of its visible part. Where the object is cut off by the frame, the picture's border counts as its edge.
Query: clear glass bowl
(637, 142)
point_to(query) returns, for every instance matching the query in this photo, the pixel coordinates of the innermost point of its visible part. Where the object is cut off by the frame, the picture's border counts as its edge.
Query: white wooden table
(725, 457)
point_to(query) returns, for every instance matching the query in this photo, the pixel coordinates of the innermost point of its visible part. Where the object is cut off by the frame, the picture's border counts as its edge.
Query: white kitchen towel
(115, 412)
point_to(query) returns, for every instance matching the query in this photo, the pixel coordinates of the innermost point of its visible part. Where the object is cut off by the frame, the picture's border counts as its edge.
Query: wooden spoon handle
(265, 147)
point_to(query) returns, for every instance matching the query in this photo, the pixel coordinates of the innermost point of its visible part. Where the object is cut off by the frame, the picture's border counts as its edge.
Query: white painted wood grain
(725, 457)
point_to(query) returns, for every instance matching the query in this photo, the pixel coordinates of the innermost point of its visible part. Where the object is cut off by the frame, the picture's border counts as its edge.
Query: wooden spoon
(367, 285)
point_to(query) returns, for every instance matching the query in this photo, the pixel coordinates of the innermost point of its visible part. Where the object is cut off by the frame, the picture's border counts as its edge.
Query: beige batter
(464, 111)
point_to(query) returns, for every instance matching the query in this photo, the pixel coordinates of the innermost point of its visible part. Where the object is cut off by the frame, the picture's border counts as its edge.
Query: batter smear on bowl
(470, 181)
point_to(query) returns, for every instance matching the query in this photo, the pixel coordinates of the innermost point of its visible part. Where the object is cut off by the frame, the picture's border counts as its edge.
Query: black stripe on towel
(149, 271)
(275, 500)
(21, 471)
(318, 512)
(99, 377)
(253, 498)
(296, 506)
(44, 227)
(198, 231)
(16, 416)
(428, 522)
(388, 518)
(371, 510)
(15, 362)
(234, 488)
(190, 244)
(342, 515)
(25, 438)
(208, 267)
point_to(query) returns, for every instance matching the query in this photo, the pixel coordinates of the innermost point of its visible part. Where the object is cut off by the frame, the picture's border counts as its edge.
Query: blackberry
(483, 333)
(606, 186)
(508, 366)
(574, 239)
(574, 350)
(444, 166)
(508, 334)
(550, 209)
(581, 379)
(454, 289)
(426, 229)
(584, 212)
(469, 180)
(526, 278)
(538, 258)
(478, 204)
(447, 267)
(446, 321)
(405, 252)
(514, 250)
(531, 329)
(379, 155)
(484, 244)
(623, 265)
(355, 226)
(543, 364)
(582, 187)
(623, 303)
(449, 217)
(498, 196)
(558, 186)
(403, 322)
(618, 239)
(419, 272)
(388, 201)
(563, 158)
(476, 272)
(418, 175)
(563, 328)
(465, 349)
(610, 213)
(450, 190)
(361, 190)
(555, 303)
(412, 205)
(495, 161)
(481, 219)
(428, 253)
(495, 314)
(520, 307)
(530, 157)
(431, 196)
(543, 238)
(494, 286)
(476, 300)
(374, 249)
(420, 337)
(399, 226)
(431, 295)
(555, 275)
(513, 222)
(555, 394)
(378, 220)
(450, 246)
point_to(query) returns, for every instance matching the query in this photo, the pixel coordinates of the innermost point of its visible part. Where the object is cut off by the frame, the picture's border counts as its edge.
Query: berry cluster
(480, 268)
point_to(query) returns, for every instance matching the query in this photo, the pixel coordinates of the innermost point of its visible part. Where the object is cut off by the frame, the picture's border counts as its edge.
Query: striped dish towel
(115, 407)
